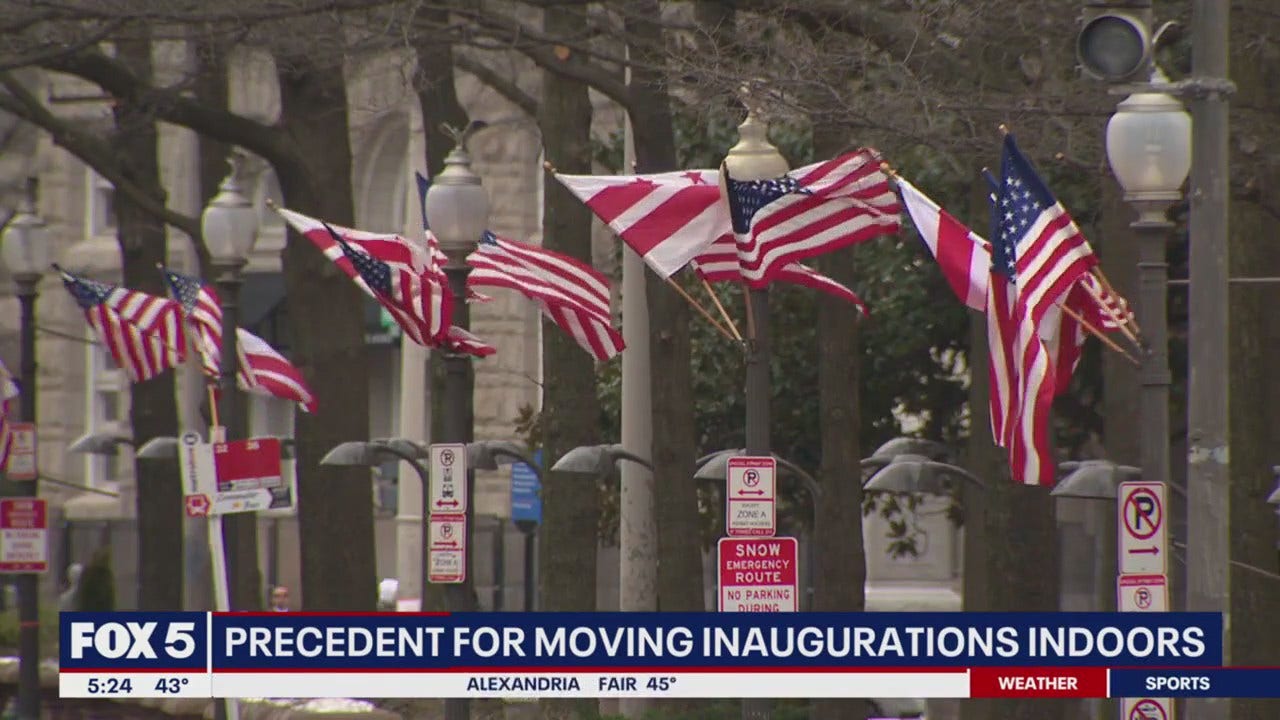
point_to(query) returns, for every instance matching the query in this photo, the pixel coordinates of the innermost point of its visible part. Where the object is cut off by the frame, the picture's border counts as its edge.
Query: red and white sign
(232, 477)
(248, 477)
(758, 574)
(22, 452)
(1142, 593)
(1143, 528)
(24, 535)
(197, 505)
(750, 495)
(448, 473)
(1146, 709)
(447, 549)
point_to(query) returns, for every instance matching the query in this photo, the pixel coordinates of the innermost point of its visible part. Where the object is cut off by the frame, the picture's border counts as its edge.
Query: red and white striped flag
(143, 333)
(399, 274)
(809, 211)
(573, 294)
(667, 218)
(461, 341)
(261, 369)
(8, 395)
(962, 255)
(719, 263)
(266, 372)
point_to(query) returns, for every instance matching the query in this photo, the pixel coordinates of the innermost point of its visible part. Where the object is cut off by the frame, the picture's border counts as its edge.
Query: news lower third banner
(696, 655)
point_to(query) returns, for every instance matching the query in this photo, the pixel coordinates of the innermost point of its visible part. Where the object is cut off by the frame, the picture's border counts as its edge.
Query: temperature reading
(171, 686)
(661, 684)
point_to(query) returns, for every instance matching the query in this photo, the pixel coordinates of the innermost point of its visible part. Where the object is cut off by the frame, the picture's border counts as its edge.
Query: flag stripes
(143, 333)
(813, 210)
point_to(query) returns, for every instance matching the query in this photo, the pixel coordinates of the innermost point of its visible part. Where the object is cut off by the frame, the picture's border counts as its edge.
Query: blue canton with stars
(87, 293)
(184, 288)
(375, 273)
(488, 238)
(1022, 199)
(746, 197)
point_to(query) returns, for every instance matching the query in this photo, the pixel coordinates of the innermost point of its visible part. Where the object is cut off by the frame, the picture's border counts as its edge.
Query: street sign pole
(526, 513)
(1143, 581)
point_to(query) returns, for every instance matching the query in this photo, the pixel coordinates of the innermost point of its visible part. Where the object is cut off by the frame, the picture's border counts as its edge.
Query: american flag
(203, 310)
(1064, 335)
(1052, 253)
(719, 263)
(261, 370)
(394, 271)
(1022, 382)
(813, 210)
(666, 218)
(573, 294)
(8, 394)
(143, 333)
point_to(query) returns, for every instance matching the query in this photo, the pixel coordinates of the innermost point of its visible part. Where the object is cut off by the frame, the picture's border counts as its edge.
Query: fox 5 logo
(135, 638)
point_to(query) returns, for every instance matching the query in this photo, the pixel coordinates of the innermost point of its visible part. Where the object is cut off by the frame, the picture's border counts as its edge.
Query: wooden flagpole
(715, 298)
(1098, 334)
(698, 306)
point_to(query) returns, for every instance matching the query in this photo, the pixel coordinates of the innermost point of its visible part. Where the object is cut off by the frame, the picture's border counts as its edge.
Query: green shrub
(97, 592)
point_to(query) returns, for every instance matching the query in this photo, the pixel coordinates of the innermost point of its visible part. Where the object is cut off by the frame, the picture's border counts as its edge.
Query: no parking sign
(1143, 530)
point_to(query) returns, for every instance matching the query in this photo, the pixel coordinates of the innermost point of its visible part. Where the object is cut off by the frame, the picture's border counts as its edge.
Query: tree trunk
(674, 448)
(1011, 535)
(326, 321)
(153, 407)
(438, 102)
(570, 409)
(840, 565)
(1254, 386)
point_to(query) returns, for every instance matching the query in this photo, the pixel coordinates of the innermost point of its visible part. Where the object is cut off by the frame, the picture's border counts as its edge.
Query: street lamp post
(755, 158)
(459, 210)
(1149, 150)
(230, 227)
(26, 253)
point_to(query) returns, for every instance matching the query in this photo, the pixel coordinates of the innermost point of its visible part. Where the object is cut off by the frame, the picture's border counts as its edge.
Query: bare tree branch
(504, 86)
(91, 150)
(264, 140)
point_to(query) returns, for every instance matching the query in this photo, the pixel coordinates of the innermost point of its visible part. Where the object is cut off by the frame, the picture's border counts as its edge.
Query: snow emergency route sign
(758, 574)
(24, 535)
(750, 492)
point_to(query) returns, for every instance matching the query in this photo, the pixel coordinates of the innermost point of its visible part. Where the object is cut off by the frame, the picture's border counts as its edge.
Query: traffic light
(1115, 41)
